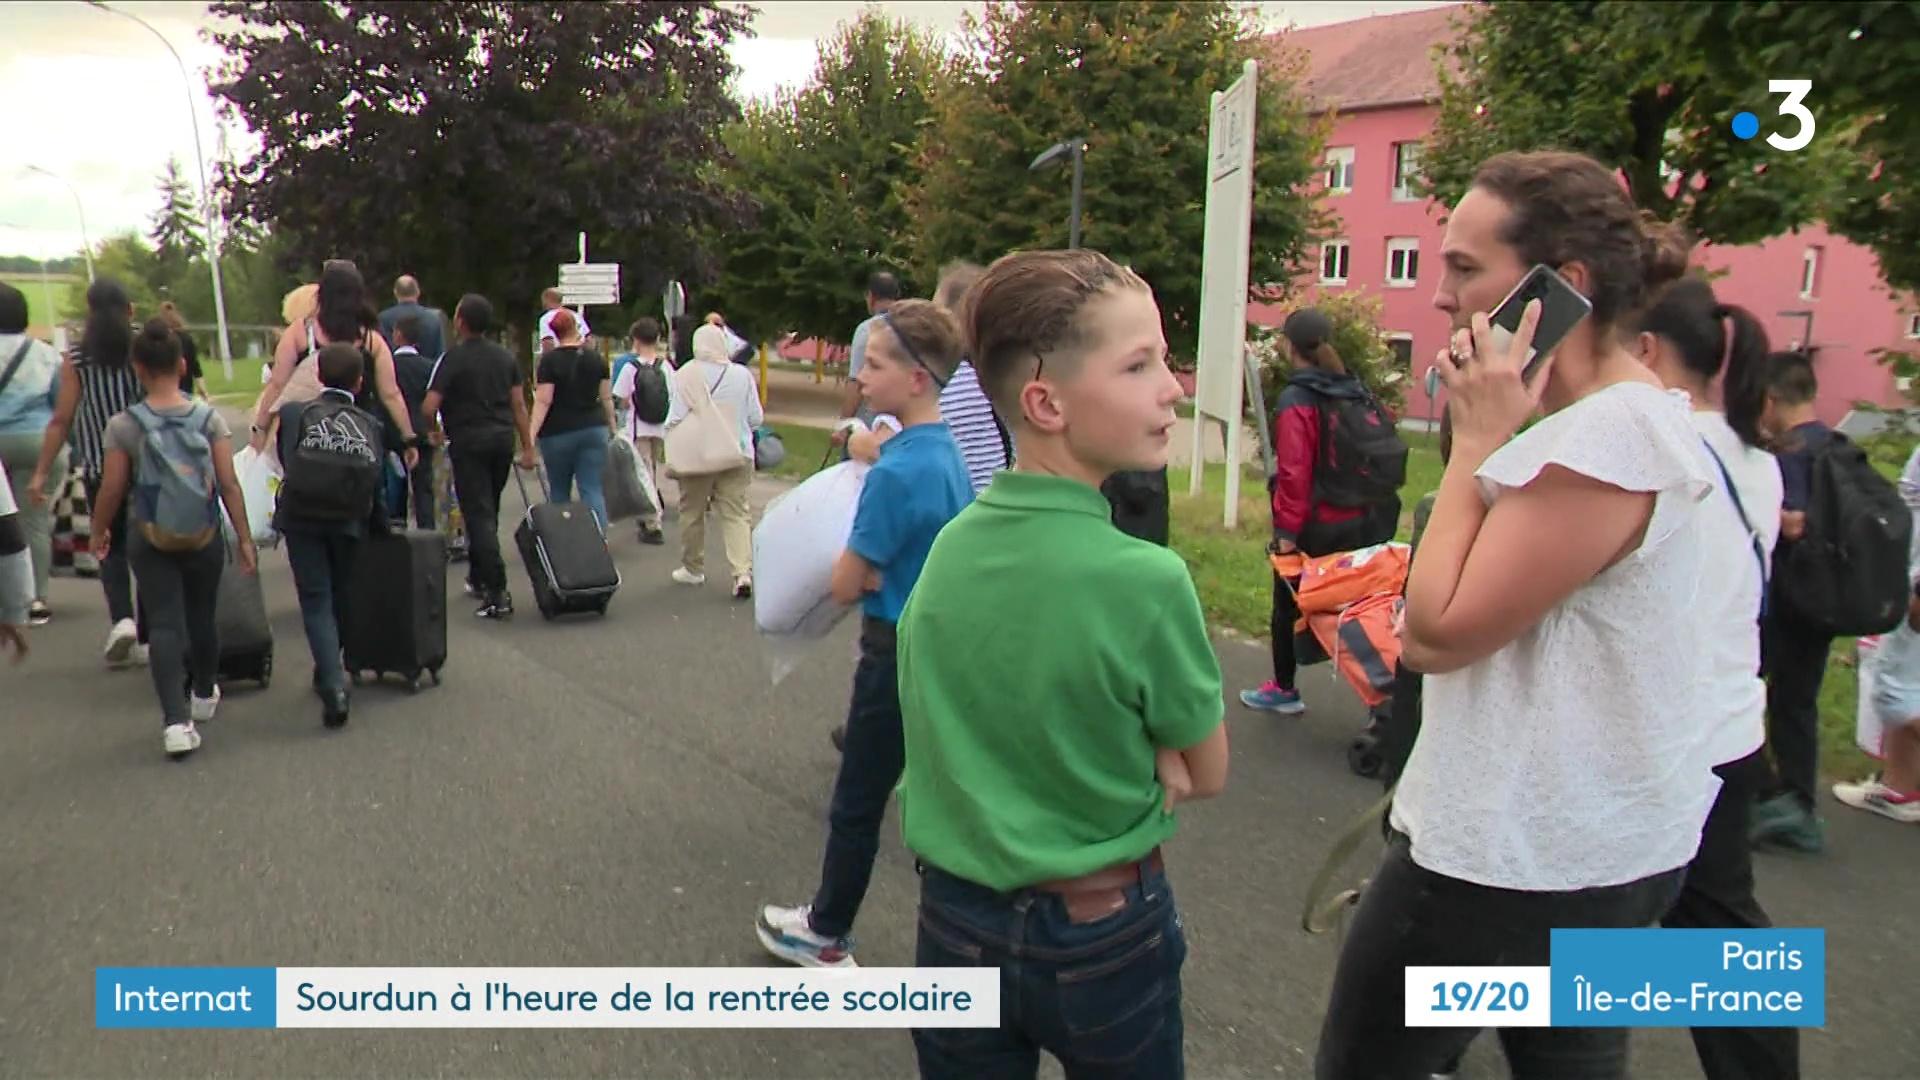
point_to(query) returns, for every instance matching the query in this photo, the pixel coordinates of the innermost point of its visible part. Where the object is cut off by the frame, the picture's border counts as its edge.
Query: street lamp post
(1076, 147)
(86, 246)
(206, 193)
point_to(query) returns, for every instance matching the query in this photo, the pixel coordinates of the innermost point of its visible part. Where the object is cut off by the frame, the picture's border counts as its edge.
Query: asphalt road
(625, 791)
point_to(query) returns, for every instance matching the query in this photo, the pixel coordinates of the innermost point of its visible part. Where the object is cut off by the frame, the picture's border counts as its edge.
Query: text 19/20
(1476, 996)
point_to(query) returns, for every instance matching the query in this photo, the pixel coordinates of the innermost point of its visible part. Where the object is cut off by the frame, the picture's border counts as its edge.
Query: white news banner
(1481, 997)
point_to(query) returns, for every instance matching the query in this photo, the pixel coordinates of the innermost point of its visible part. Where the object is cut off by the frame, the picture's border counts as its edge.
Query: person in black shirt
(476, 394)
(414, 373)
(1793, 653)
(573, 416)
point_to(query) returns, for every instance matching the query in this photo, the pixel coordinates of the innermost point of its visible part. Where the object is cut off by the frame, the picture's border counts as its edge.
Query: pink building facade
(1376, 75)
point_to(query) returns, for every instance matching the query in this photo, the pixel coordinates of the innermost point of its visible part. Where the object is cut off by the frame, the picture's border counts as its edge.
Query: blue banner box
(186, 997)
(1689, 978)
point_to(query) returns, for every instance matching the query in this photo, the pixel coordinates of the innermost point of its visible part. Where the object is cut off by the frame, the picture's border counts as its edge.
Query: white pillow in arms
(795, 545)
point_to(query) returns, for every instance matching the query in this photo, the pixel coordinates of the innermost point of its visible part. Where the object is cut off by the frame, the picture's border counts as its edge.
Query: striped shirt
(969, 415)
(105, 392)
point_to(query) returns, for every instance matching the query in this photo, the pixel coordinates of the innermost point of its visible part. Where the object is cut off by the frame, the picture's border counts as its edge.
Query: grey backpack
(175, 504)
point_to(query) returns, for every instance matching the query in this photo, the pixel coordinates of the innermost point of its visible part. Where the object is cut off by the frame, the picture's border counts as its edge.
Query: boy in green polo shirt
(1045, 659)
(914, 490)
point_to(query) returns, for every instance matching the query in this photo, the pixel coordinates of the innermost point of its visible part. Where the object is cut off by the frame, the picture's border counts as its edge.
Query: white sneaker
(1876, 797)
(687, 577)
(743, 587)
(787, 934)
(120, 642)
(181, 740)
(138, 655)
(203, 707)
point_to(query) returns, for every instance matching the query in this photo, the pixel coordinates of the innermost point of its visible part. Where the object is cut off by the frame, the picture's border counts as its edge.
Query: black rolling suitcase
(397, 607)
(240, 619)
(566, 556)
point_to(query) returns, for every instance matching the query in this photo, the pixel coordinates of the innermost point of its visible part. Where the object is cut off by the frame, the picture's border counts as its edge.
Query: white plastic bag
(795, 545)
(259, 477)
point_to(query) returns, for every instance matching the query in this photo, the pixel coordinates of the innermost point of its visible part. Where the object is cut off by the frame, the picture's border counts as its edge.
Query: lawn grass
(805, 447)
(39, 314)
(242, 389)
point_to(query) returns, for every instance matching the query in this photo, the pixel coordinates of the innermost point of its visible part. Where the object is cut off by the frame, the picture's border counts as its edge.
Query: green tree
(125, 258)
(176, 232)
(1136, 79)
(1864, 62)
(1650, 89)
(468, 143)
(825, 168)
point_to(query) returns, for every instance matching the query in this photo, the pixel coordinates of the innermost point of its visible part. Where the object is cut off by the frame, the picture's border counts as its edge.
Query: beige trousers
(725, 493)
(652, 452)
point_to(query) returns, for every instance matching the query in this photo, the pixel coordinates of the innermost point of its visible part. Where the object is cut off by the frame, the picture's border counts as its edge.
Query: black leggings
(1285, 612)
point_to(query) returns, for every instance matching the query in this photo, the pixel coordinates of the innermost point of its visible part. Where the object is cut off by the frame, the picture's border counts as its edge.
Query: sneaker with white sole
(1876, 797)
(203, 707)
(120, 642)
(180, 740)
(138, 655)
(787, 933)
(687, 577)
(743, 587)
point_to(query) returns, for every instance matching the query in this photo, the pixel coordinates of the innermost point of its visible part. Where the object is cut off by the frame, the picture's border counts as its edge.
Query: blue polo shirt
(918, 485)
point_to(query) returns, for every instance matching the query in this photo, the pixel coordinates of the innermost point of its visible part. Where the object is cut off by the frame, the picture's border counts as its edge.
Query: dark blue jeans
(322, 571)
(1102, 996)
(870, 765)
(578, 455)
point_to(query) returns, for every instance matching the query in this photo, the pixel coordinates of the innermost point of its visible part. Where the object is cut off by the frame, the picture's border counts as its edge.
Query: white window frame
(1340, 158)
(1913, 328)
(1402, 192)
(1408, 245)
(1402, 335)
(1344, 261)
(1809, 272)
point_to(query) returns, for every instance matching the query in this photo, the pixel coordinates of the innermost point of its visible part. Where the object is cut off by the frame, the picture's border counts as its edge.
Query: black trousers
(1286, 611)
(419, 493)
(1717, 894)
(1412, 916)
(480, 471)
(1795, 659)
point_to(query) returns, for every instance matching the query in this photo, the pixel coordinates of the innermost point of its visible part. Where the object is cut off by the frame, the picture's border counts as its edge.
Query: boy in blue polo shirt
(917, 486)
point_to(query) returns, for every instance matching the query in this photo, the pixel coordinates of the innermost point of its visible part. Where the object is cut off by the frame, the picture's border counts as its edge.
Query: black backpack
(649, 392)
(1848, 575)
(1362, 460)
(335, 467)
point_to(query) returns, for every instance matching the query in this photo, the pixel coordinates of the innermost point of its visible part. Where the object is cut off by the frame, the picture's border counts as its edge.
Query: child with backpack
(1340, 467)
(333, 457)
(917, 486)
(642, 390)
(170, 460)
(1840, 569)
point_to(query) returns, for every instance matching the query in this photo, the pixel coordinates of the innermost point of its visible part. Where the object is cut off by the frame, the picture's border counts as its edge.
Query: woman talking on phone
(1561, 776)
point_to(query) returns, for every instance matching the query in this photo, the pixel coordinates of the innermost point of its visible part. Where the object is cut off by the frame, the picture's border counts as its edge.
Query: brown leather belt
(1095, 896)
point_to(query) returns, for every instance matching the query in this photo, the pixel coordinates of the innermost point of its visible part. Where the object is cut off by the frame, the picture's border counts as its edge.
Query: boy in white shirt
(649, 436)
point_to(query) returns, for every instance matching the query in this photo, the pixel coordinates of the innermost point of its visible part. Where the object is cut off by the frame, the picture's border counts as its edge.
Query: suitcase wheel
(353, 677)
(435, 673)
(1363, 755)
(413, 683)
(266, 670)
(602, 609)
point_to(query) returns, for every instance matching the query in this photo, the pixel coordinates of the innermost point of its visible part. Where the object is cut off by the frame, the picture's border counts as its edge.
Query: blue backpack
(175, 498)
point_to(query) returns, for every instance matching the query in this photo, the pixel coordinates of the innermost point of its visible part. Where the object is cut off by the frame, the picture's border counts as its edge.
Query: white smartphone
(1561, 309)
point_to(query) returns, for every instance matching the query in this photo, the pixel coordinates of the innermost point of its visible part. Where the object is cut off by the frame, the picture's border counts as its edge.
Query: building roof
(1375, 62)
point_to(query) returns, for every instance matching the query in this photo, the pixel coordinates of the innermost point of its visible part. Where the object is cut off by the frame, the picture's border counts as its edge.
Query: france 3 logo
(1746, 125)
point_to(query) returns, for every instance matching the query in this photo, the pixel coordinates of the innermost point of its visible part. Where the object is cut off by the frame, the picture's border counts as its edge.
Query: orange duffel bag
(1362, 641)
(1327, 583)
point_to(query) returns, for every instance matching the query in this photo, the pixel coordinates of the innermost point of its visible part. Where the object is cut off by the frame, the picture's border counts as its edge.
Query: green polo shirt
(1043, 655)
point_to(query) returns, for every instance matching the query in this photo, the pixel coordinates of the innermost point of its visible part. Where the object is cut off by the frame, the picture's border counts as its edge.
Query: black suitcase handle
(540, 472)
